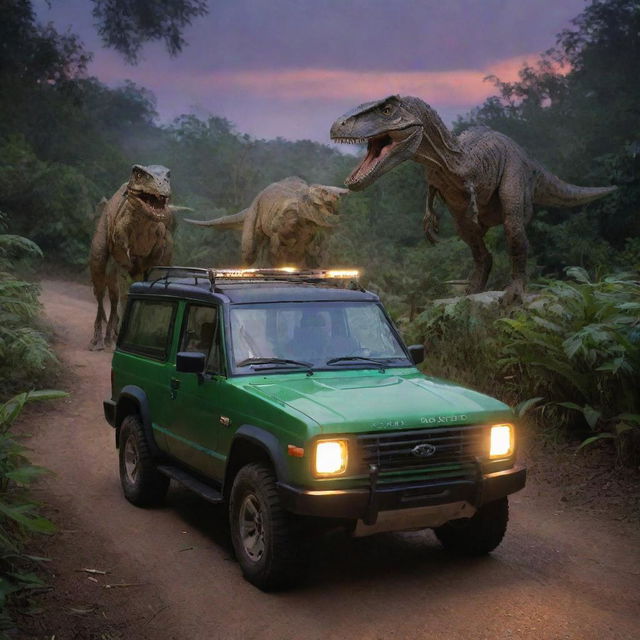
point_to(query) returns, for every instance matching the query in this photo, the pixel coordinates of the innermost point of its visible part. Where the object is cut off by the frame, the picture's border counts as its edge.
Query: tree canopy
(66, 140)
(126, 25)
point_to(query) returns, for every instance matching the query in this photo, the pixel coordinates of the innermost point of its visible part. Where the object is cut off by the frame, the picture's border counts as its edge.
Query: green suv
(290, 397)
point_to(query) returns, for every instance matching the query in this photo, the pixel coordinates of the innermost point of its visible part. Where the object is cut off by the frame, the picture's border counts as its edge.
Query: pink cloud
(297, 103)
(458, 87)
(454, 88)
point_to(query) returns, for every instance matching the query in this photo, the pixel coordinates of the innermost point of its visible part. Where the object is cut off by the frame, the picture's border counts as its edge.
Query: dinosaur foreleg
(97, 342)
(517, 208)
(431, 222)
(518, 247)
(473, 235)
(122, 283)
(113, 323)
(98, 278)
(473, 211)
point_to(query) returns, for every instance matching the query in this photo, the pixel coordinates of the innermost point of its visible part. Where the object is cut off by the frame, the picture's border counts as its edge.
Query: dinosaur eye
(386, 110)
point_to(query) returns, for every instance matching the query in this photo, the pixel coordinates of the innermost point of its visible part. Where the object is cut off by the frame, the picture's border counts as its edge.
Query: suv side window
(201, 334)
(148, 328)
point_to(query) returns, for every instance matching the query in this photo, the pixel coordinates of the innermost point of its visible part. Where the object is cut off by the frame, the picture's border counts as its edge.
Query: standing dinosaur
(133, 234)
(484, 177)
(280, 227)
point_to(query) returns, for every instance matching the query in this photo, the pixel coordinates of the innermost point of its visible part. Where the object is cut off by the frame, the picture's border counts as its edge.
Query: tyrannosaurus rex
(280, 227)
(133, 234)
(484, 177)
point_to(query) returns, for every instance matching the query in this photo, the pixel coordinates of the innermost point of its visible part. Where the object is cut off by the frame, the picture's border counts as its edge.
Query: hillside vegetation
(66, 140)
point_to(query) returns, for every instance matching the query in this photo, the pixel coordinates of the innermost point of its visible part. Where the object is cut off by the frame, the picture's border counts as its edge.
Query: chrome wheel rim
(131, 460)
(251, 527)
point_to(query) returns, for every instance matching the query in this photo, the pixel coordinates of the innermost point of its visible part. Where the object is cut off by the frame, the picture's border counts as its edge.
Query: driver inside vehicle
(314, 340)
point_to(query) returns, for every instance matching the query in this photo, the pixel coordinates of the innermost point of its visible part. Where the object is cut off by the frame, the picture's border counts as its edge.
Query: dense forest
(67, 140)
(572, 360)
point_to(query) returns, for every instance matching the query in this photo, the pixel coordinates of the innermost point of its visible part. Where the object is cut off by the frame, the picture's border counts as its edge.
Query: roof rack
(249, 276)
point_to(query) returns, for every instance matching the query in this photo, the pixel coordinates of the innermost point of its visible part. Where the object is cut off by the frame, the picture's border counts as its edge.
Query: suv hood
(370, 401)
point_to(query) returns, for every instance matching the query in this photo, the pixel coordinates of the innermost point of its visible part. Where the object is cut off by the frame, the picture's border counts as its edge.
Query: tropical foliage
(19, 516)
(574, 348)
(575, 110)
(24, 350)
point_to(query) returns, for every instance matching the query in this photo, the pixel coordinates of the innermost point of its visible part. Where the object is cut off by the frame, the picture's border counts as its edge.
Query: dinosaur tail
(234, 221)
(553, 192)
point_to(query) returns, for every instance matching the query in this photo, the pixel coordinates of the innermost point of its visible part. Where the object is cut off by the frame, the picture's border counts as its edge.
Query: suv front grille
(444, 448)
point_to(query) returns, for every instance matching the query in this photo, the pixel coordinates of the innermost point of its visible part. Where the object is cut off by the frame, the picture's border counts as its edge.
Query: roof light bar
(164, 274)
(318, 274)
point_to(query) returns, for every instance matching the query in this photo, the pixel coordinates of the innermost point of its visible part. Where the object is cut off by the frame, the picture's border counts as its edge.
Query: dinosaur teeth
(350, 140)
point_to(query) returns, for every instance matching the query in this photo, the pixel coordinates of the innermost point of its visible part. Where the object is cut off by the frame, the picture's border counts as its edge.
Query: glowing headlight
(331, 457)
(501, 441)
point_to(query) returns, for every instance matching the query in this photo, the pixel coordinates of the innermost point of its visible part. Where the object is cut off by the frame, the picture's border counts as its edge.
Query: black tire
(478, 535)
(142, 484)
(275, 557)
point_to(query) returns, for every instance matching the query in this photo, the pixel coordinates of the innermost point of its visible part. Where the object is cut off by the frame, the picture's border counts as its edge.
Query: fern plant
(578, 347)
(575, 349)
(19, 516)
(24, 350)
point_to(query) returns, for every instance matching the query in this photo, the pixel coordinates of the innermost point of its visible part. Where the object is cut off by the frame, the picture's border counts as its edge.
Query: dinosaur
(133, 234)
(483, 177)
(280, 227)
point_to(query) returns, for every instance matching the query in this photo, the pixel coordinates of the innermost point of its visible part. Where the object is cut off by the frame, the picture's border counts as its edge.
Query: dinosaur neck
(439, 148)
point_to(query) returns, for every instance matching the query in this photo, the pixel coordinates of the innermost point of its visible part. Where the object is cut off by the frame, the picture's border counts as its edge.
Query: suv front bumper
(365, 503)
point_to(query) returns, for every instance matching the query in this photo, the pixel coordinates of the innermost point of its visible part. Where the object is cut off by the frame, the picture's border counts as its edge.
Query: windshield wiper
(274, 361)
(379, 361)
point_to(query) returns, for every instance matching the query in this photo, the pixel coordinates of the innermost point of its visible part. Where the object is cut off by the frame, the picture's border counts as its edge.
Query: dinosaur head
(151, 189)
(392, 130)
(321, 204)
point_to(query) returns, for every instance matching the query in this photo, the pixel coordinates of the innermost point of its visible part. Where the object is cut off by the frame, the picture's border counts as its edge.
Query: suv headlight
(502, 441)
(330, 457)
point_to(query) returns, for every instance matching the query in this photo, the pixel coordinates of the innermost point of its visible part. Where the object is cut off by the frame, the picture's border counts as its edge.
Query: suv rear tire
(142, 484)
(478, 535)
(267, 540)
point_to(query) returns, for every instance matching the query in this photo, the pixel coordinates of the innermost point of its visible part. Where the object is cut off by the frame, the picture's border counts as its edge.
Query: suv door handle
(174, 385)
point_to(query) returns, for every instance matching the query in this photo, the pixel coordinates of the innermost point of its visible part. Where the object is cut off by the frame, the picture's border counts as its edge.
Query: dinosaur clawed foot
(514, 293)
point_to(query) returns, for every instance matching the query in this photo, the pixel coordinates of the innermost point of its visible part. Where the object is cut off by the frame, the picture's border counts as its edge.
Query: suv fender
(252, 444)
(133, 399)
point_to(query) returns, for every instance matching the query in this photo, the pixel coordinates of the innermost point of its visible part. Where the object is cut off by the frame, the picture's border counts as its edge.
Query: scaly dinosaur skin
(281, 225)
(484, 177)
(133, 234)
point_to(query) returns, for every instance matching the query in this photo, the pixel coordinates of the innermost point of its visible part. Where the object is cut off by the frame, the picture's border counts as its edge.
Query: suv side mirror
(416, 351)
(190, 362)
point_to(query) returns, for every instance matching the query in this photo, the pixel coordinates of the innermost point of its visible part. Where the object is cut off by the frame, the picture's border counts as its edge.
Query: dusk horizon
(287, 70)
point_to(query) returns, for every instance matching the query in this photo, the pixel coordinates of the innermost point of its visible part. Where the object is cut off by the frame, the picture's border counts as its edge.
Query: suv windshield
(317, 334)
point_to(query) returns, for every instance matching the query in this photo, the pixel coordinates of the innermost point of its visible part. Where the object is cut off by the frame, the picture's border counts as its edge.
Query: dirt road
(558, 574)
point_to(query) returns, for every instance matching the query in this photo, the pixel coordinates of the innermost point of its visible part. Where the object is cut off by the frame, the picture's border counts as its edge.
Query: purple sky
(290, 67)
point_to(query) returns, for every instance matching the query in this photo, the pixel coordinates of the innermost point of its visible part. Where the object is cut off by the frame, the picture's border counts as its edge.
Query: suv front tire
(478, 535)
(142, 484)
(267, 539)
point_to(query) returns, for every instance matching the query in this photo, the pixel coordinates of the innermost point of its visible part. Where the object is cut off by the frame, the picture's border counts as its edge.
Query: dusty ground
(567, 568)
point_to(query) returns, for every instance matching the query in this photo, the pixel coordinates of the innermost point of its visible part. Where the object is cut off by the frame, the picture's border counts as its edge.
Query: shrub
(18, 514)
(578, 347)
(24, 351)
(575, 347)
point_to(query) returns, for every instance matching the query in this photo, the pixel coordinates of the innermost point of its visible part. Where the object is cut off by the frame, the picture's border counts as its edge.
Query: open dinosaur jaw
(380, 149)
(155, 207)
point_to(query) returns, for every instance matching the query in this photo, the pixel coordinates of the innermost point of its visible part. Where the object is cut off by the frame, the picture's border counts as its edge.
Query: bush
(575, 348)
(578, 347)
(18, 514)
(24, 351)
